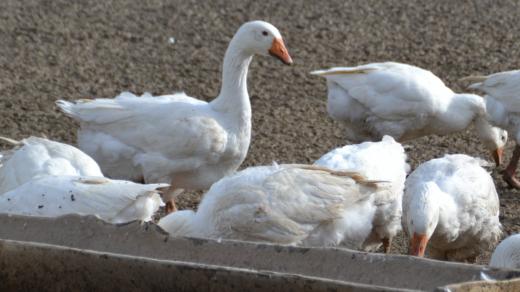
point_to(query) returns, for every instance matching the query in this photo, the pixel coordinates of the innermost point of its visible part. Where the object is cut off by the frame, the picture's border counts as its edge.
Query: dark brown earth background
(57, 49)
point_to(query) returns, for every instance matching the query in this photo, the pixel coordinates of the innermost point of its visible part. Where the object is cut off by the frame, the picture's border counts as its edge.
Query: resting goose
(286, 204)
(382, 161)
(451, 205)
(503, 107)
(405, 102)
(111, 200)
(507, 253)
(33, 157)
(178, 139)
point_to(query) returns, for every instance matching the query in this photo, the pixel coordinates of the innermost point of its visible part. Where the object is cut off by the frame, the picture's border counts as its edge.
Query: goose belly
(114, 157)
(203, 177)
(341, 106)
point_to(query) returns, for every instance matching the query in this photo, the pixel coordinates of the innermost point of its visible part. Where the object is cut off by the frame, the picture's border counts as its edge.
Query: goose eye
(264, 33)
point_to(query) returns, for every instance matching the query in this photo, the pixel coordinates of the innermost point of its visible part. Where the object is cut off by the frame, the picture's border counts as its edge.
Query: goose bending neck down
(503, 107)
(305, 205)
(425, 214)
(451, 205)
(493, 138)
(466, 108)
(405, 102)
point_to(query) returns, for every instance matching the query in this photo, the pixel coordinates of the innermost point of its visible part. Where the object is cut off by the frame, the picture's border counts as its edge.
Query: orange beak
(418, 244)
(497, 155)
(279, 51)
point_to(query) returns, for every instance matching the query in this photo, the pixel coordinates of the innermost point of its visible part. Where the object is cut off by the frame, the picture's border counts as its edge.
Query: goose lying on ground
(113, 201)
(178, 139)
(286, 204)
(503, 107)
(382, 161)
(451, 205)
(33, 157)
(507, 253)
(405, 102)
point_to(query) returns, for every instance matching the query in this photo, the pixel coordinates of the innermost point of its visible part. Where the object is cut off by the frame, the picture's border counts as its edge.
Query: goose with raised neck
(177, 139)
(233, 91)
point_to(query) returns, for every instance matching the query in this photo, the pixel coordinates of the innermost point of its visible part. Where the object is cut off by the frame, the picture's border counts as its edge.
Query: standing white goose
(451, 204)
(176, 138)
(111, 200)
(287, 204)
(503, 107)
(382, 161)
(34, 157)
(507, 253)
(405, 102)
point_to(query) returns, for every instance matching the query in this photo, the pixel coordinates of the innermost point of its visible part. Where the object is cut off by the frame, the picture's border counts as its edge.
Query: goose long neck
(461, 110)
(470, 103)
(233, 93)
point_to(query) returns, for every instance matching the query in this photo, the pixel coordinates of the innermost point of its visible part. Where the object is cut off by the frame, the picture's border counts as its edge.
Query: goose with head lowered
(451, 205)
(178, 139)
(306, 205)
(405, 102)
(503, 106)
(381, 161)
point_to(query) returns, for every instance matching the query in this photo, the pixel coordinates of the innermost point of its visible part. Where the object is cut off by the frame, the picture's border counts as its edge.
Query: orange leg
(509, 172)
(170, 206)
(387, 245)
(169, 198)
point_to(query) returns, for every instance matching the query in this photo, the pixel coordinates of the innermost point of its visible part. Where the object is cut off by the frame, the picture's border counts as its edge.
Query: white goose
(287, 204)
(507, 253)
(451, 204)
(111, 200)
(503, 107)
(382, 161)
(177, 138)
(33, 157)
(405, 102)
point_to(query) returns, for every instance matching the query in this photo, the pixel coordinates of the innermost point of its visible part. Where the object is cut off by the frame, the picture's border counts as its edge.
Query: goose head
(261, 38)
(493, 138)
(422, 217)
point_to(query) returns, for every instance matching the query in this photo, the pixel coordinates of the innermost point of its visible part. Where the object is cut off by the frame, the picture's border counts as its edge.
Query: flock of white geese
(139, 152)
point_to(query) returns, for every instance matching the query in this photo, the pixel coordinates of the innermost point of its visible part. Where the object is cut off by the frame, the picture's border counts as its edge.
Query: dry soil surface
(78, 49)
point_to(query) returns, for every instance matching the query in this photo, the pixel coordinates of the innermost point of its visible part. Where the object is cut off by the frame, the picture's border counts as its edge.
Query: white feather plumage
(381, 161)
(507, 253)
(453, 201)
(35, 157)
(176, 138)
(287, 204)
(502, 102)
(402, 101)
(111, 200)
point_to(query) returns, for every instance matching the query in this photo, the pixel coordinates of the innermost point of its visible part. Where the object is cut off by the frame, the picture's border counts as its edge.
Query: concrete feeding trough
(74, 252)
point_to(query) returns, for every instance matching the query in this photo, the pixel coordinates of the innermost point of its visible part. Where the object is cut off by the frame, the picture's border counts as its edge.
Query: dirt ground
(56, 49)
